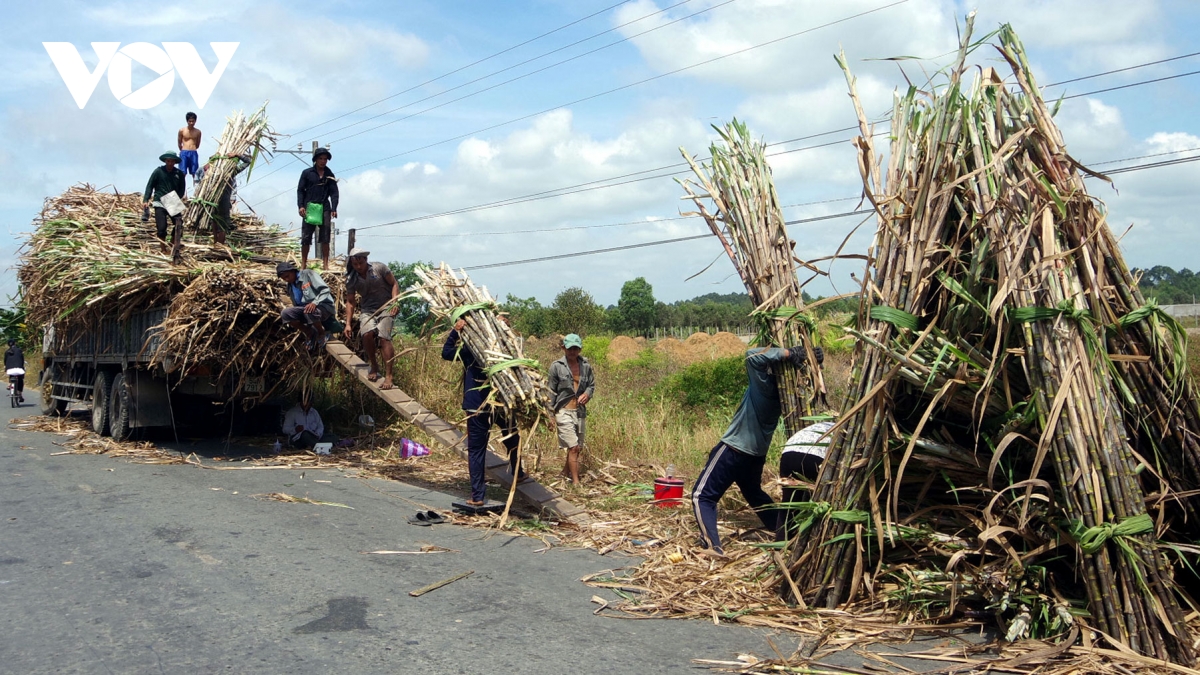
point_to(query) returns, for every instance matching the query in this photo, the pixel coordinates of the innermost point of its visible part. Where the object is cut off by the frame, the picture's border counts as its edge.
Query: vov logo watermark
(171, 58)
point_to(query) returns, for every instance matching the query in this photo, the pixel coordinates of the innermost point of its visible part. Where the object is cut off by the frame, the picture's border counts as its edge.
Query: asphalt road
(108, 566)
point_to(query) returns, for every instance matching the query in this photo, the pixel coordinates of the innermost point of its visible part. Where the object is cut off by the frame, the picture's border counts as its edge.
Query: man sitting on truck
(312, 303)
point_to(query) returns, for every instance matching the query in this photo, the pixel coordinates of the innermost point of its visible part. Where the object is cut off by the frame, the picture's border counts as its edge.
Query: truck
(110, 366)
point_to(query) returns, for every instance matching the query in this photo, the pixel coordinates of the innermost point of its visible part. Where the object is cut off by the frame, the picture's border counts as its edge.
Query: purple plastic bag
(411, 448)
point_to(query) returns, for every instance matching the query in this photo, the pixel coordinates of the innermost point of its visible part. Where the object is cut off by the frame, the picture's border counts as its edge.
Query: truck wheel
(118, 408)
(101, 401)
(51, 407)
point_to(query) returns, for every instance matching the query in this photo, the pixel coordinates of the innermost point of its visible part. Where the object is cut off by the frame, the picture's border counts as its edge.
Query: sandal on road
(419, 519)
(432, 517)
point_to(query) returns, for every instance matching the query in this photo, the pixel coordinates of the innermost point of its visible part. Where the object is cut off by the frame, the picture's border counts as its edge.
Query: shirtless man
(189, 144)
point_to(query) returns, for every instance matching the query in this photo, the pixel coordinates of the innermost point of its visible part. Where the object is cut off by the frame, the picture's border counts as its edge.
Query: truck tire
(101, 401)
(118, 409)
(51, 407)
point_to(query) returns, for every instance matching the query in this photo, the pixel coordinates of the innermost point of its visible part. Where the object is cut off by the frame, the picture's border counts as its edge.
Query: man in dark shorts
(741, 454)
(312, 303)
(370, 286)
(317, 185)
(164, 179)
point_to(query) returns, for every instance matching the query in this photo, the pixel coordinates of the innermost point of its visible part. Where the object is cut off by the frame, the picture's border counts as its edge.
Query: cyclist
(14, 365)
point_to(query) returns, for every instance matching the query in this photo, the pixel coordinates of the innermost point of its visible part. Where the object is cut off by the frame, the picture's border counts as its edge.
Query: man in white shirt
(799, 466)
(303, 425)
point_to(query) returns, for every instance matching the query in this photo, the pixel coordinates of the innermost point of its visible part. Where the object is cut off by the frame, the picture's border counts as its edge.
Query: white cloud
(919, 27)
(142, 15)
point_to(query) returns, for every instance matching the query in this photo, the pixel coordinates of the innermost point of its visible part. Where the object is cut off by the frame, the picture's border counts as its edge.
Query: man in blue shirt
(741, 453)
(480, 417)
(312, 303)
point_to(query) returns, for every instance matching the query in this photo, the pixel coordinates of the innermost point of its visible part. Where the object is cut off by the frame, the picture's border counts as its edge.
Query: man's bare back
(189, 138)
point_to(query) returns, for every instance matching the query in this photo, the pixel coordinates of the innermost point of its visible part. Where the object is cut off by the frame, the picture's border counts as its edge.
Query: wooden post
(350, 241)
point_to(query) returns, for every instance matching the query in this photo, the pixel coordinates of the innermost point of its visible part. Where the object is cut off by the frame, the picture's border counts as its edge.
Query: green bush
(832, 337)
(595, 348)
(719, 383)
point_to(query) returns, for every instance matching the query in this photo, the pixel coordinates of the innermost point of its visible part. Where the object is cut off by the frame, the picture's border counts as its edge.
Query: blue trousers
(479, 425)
(726, 466)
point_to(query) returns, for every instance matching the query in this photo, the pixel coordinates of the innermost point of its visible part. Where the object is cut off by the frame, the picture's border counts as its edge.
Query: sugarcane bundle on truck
(146, 340)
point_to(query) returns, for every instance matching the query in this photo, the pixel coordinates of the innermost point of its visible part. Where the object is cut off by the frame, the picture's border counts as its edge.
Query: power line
(1152, 165)
(561, 256)
(650, 220)
(462, 68)
(639, 82)
(630, 85)
(1133, 84)
(517, 65)
(1130, 159)
(566, 190)
(1121, 70)
(593, 185)
(559, 192)
(583, 253)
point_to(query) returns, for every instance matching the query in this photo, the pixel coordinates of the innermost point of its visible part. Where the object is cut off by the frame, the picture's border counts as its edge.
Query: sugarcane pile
(243, 137)
(749, 222)
(517, 385)
(91, 256)
(998, 319)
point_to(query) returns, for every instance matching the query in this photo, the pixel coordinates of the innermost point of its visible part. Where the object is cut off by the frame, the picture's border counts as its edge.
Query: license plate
(253, 385)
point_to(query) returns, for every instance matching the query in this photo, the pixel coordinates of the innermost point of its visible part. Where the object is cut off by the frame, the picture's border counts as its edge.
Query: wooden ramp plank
(449, 436)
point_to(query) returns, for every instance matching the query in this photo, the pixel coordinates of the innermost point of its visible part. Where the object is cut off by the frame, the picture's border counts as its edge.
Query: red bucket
(668, 492)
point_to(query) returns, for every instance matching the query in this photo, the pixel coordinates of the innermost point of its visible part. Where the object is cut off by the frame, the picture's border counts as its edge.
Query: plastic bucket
(668, 492)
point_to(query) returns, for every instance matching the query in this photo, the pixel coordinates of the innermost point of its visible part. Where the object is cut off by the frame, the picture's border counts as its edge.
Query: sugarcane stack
(999, 319)
(242, 140)
(748, 220)
(90, 256)
(517, 385)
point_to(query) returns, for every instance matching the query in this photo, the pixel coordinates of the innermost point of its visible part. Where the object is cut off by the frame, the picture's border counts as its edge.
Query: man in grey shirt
(572, 384)
(369, 287)
(741, 454)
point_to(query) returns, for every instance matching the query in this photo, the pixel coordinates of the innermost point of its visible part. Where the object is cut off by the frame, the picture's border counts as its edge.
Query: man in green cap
(163, 180)
(572, 385)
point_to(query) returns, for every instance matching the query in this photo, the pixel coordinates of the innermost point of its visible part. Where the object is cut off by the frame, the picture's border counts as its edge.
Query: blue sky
(317, 61)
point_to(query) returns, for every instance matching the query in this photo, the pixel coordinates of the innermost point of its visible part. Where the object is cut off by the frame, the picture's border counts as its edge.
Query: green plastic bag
(315, 214)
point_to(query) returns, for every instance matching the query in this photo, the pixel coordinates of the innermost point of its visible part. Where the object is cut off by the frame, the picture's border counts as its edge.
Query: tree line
(1168, 287)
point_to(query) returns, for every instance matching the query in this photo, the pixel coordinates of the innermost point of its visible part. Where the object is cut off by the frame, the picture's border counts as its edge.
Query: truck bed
(111, 340)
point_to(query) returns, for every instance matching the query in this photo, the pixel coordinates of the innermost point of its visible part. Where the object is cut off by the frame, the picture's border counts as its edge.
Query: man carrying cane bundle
(741, 454)
(481, 415)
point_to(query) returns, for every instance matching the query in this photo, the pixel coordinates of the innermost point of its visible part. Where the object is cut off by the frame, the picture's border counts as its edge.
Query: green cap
(168, 155)
(572, 340)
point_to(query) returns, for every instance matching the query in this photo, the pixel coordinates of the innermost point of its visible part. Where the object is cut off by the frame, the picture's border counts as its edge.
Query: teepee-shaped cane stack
(999, 319)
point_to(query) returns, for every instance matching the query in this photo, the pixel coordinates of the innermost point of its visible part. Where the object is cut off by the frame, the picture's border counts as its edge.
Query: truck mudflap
(149, 400)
